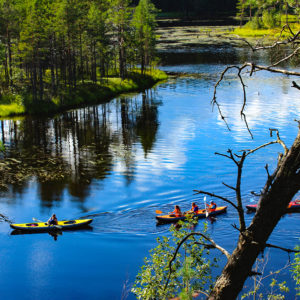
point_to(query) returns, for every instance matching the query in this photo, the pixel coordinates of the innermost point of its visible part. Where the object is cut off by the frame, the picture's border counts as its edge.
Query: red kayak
(201, 214)
(293, 206)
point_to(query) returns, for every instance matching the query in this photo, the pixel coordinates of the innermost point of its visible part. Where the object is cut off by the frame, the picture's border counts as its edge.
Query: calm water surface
(121, 161)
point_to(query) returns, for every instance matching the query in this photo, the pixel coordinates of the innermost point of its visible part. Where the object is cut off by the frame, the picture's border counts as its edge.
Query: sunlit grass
(86, 93)
(118, 85)
(246, 31)
(11, 109)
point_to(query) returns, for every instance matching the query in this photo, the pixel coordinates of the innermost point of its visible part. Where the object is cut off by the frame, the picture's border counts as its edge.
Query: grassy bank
(268, 25)
(86, 93)
(273, 33)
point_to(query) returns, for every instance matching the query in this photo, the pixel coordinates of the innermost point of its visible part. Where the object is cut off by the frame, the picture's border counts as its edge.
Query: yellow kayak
(44, 226)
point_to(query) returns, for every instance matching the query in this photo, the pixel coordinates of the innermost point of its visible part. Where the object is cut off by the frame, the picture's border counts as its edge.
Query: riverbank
(86, 93)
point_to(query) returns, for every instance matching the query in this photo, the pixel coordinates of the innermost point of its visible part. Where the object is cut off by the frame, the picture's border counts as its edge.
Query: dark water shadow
(55, 234)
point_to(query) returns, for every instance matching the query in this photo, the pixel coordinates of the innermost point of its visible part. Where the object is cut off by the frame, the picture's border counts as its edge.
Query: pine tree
(144, 23)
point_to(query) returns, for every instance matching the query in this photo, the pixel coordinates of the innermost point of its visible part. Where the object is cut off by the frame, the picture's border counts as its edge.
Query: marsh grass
(273, 33)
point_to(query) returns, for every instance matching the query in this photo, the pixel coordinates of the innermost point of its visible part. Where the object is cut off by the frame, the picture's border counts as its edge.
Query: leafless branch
(286, 58)
(255, 194)
(230, 156)
(271, 69)
(267, 169)
(279, 140)
(229, 186)
(282, 248)
(295, 85)
(206, 246)
(289, 40)
(216, 196)
(254, 273)
(293, 39)
(242, 112)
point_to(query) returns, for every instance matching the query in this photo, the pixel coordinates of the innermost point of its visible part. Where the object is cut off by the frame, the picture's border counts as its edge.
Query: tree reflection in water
(74, 148)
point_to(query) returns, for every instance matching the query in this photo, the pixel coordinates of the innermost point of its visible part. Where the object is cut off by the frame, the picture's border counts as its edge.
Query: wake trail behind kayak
(131, 221)
(4, 218)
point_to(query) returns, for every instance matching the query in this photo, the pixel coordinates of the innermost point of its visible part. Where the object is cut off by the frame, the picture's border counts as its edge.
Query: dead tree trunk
(279, 190)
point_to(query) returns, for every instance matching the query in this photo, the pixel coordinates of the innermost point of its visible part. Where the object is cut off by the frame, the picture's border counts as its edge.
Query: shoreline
(87, 93)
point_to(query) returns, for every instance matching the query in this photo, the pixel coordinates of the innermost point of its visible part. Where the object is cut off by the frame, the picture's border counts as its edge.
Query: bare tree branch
(295, 85)
(230, 156)
(286, 58)
(216, 196)
(282, 248)
(293, 39)
(271, 69)
(254, 273)
(229, 186)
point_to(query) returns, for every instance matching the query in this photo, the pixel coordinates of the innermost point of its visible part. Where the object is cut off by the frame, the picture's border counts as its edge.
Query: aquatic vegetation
(17, 169)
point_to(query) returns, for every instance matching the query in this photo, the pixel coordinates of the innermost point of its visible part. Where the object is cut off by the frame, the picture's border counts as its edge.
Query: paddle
(158, 211)
(37, 220)
(206, 212)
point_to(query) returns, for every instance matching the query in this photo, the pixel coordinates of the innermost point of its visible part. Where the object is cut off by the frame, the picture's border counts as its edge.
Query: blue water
(146, 168)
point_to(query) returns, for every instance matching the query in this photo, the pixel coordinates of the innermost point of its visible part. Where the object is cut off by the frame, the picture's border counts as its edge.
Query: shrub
(255, 23)
(191, 270)
(269, 19)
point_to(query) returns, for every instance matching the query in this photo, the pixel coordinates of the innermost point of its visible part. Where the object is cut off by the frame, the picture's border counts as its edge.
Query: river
(119, 162)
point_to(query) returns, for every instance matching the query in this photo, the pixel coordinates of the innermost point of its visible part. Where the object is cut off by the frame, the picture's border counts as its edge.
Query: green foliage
(86, 93)
(191, 270)
(268, 13)
(255, 23)
(11, 109)
(144, 24)
(276, 290)
(50, 48)
(296, 270)
(270, 19)
(2, 147)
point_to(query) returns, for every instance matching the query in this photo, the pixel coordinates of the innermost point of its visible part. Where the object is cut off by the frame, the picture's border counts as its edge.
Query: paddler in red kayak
(212, 206)
(176, 212)
(194, 208)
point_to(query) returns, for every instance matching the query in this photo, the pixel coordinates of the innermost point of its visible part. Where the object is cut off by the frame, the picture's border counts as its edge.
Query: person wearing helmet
(212, 206)
(52, 220)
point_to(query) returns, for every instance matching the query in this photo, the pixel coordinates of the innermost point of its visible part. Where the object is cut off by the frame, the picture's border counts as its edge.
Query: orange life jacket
(177, 212)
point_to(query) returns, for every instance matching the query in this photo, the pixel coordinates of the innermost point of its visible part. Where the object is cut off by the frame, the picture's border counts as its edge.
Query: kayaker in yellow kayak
(53, 220)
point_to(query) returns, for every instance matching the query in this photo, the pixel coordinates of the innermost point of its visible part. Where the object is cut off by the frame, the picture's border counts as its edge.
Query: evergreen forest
(52, 50)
